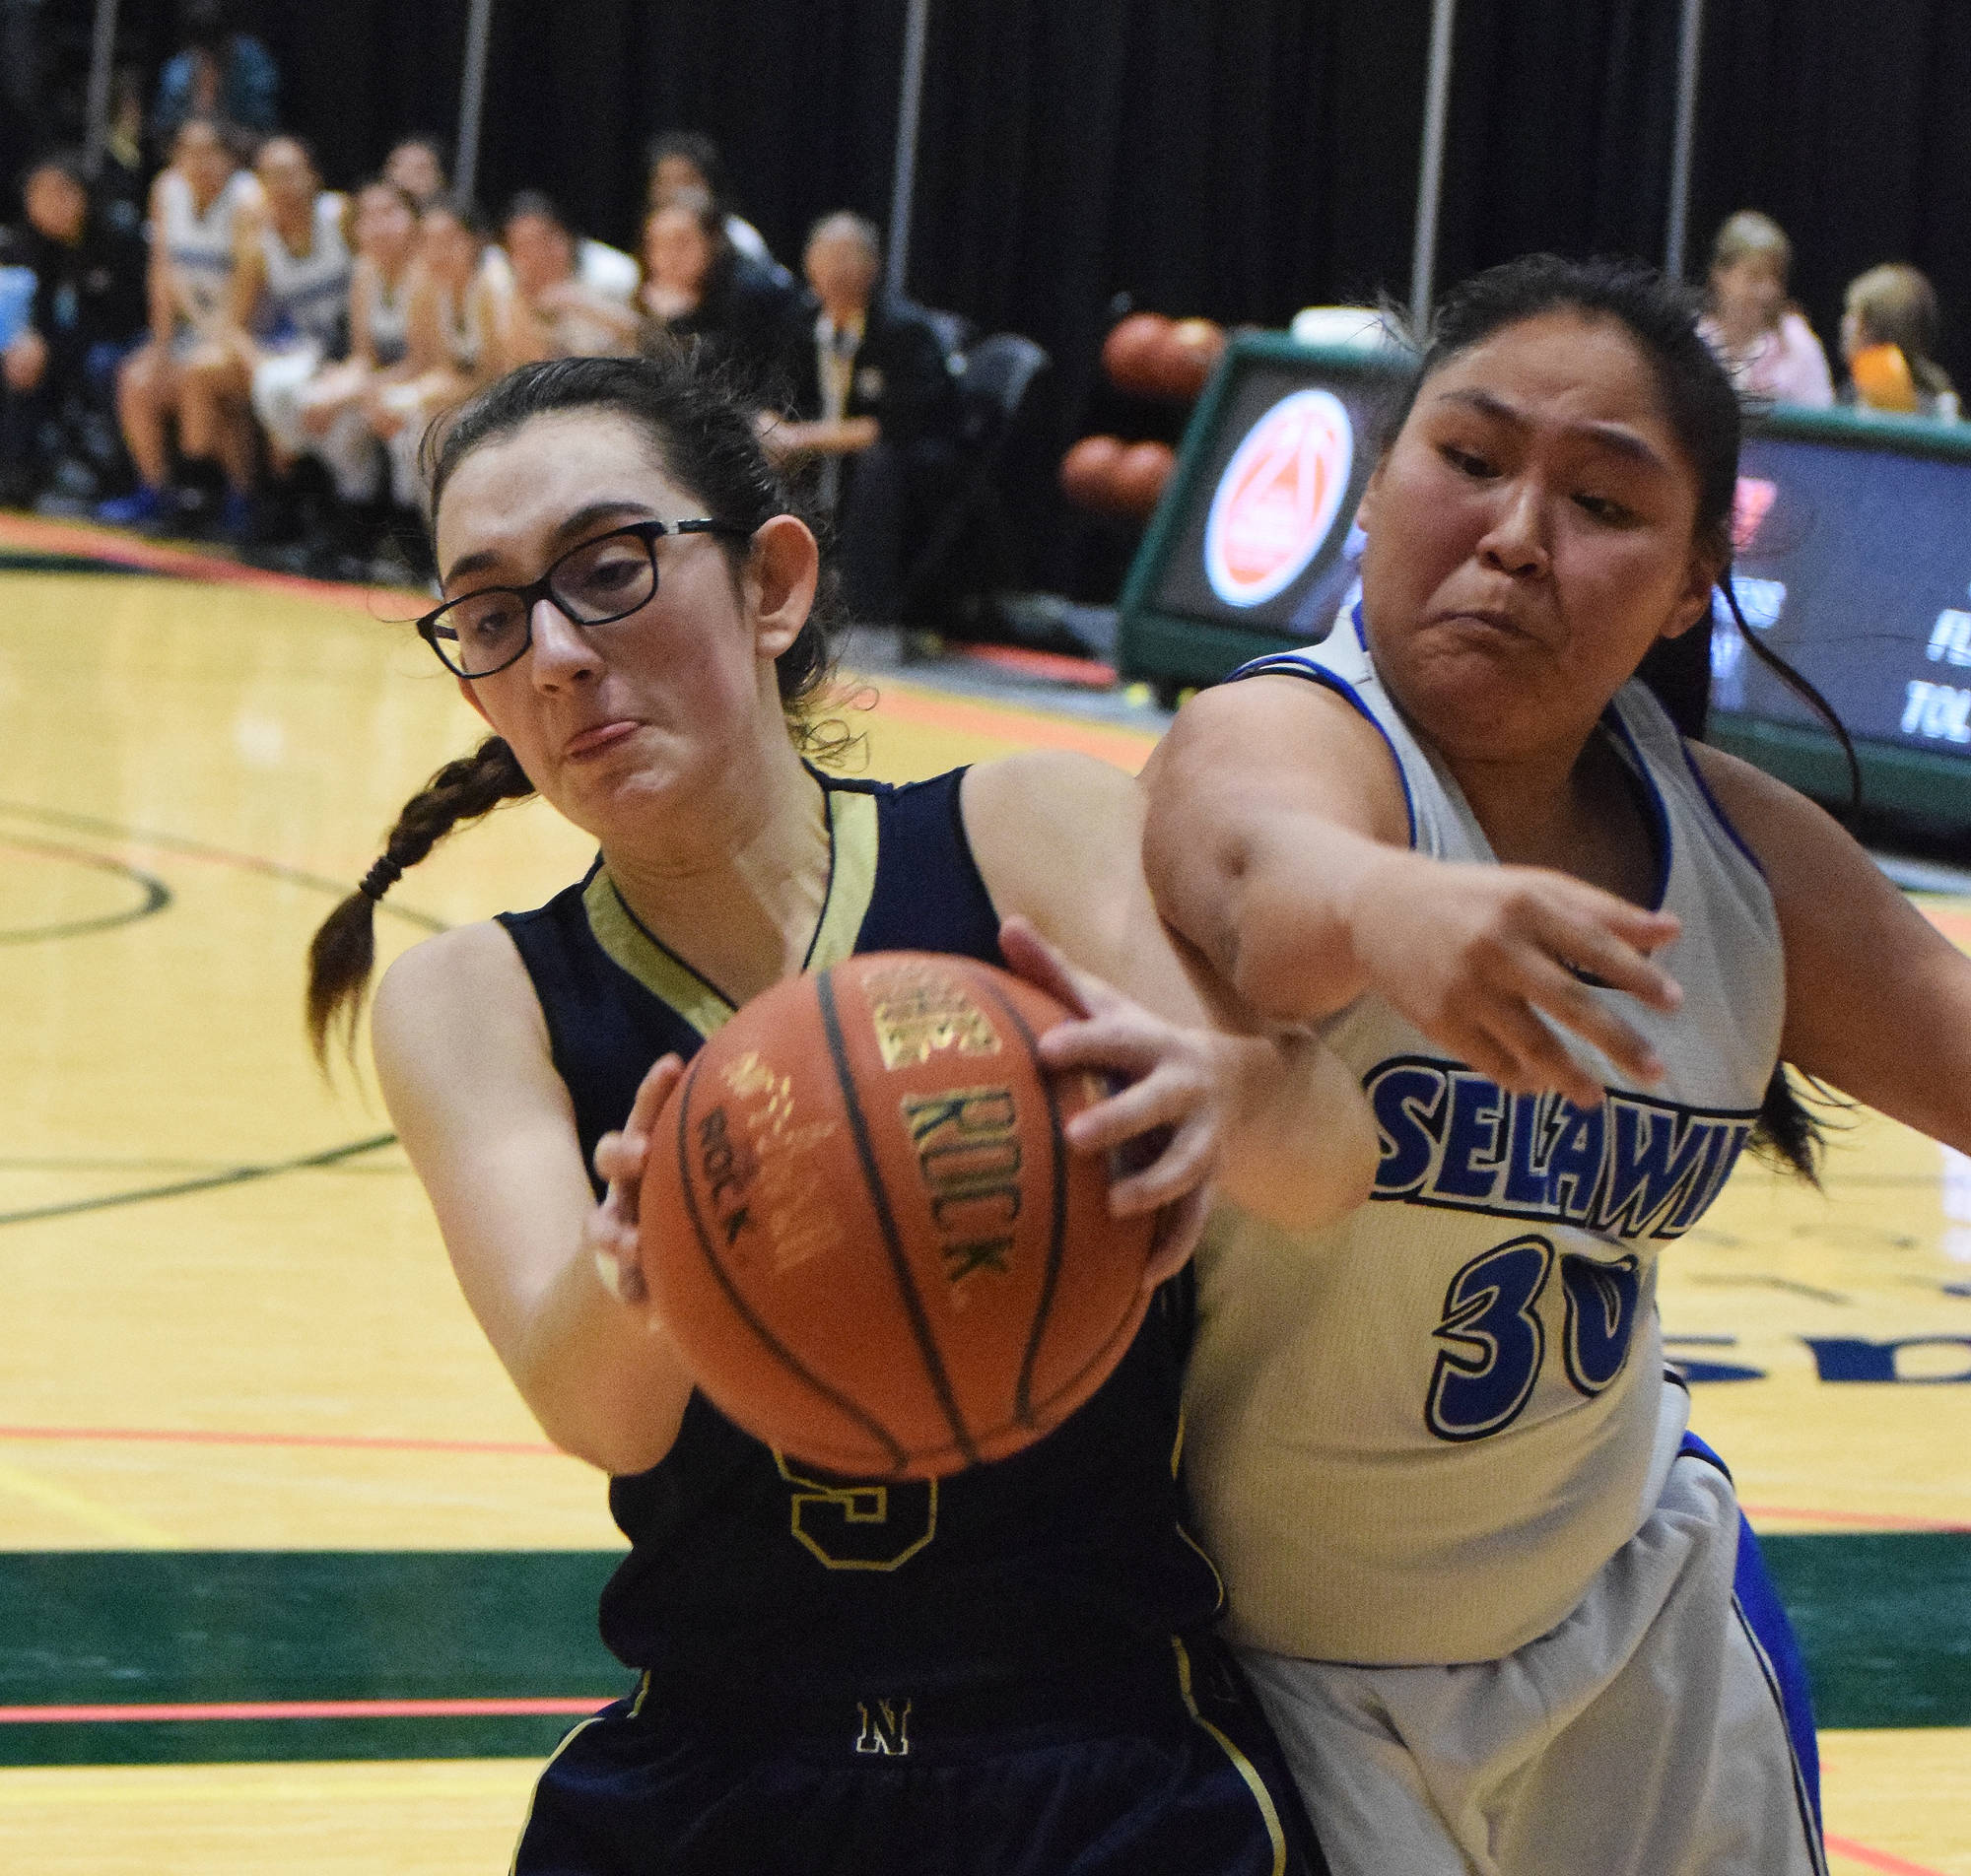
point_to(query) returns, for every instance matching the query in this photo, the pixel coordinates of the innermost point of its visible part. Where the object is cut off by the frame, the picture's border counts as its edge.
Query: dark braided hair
(1703, 410)
(703, 438)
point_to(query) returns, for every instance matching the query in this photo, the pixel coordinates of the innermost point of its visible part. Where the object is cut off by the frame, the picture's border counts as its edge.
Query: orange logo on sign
(1279, 497)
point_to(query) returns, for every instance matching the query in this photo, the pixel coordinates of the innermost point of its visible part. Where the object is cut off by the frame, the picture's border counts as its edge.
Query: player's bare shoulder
(1050, 828)
(460, 1000)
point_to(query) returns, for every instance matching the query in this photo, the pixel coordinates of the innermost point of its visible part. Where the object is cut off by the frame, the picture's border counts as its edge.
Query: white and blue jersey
(306, 298)
(1416, 1436)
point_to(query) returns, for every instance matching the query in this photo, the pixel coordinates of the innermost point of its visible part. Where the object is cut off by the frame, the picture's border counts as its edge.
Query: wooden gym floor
(287, 1576)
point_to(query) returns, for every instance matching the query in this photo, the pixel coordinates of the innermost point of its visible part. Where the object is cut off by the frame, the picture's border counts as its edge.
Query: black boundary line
(247, 862)
(205, 850)
(850, 1408)
(157, 895)
(233, 1175)
(1023, 1389)
(879, 1198)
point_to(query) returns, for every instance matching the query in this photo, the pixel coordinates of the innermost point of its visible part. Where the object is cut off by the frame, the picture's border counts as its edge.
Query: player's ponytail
(343, 951)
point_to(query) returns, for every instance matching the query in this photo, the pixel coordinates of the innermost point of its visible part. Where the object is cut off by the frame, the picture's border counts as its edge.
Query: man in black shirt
(871, 398)
(86, 310)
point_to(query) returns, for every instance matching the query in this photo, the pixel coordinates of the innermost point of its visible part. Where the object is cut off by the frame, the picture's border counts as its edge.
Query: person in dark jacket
(88, 309)
(871, 399)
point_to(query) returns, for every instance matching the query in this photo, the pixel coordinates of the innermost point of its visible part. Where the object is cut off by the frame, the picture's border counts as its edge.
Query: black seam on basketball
(879, 1199)
(1023, 1389)
(899, 1459)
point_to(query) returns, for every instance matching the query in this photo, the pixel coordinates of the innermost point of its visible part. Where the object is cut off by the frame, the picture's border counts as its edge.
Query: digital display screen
(1852, 563)
(1851, 543)
(1266, 541)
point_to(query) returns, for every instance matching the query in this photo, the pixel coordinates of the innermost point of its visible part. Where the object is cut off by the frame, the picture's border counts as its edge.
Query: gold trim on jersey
(1245, 1768)
(857, 1503)
(852, 877)
(533, 1797)
(852, 884)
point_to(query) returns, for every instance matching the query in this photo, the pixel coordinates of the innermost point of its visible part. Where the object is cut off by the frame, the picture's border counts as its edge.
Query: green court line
(1884, 1619)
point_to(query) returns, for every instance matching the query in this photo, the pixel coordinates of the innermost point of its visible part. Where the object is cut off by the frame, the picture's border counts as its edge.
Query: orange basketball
(1088, 469)
(1183, 361)
(864, 1230)
(1132, 353)
(1139, 478)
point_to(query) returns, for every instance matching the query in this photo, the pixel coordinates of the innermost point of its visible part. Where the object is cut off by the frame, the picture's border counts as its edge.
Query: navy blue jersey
(749, 1569)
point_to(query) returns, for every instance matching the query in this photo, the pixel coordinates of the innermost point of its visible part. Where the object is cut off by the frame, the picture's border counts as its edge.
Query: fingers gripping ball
(866, 1232)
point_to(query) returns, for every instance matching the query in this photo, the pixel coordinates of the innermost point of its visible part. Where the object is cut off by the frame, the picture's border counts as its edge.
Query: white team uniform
(1488, 1606)
(302, 316)
(200, 247)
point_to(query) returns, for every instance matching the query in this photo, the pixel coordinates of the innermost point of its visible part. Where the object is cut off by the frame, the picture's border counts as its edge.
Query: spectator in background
(873, 403)
(1888, 338)
(1760, 334)
(220, 73)
(558, 279)
(417, 166)
(337, 405)
(687, 163)
(58, 375)
(461, 311)
(205, 217)
(698, 293)
(296, 282)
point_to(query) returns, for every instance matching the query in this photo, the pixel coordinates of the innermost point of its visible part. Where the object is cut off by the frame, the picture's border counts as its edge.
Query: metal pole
(472, 95)
(1677, 234)
(102, 53)
(1430, 182)
(916, 29)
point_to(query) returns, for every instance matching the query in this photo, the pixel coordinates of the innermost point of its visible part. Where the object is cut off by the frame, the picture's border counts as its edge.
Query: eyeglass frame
(535, 590)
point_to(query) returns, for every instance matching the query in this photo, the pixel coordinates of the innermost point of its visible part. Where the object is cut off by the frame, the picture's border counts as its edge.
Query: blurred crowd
(231, 348)
(1888, 339)
(199, 336)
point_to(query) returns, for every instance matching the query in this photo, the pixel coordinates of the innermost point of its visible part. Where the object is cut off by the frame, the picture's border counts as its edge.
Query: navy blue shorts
(1165, 1768)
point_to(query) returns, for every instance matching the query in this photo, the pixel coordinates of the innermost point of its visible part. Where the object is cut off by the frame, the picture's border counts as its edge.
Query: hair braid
(343, 951)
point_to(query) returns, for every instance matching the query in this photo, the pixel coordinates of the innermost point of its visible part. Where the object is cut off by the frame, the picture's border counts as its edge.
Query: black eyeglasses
(594, 584)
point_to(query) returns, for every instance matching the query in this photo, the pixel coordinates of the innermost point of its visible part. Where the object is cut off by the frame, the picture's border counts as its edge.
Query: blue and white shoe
(147, 508)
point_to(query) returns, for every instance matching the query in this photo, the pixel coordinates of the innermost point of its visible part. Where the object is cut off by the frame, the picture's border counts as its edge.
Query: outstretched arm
(1273, 1116)
(1879, 1002)
(462, 1055)
(1279, 844)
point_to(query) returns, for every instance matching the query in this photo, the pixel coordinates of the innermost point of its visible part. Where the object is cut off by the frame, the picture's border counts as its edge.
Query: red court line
(1057, 665)
(1878, 1860)
(302, 1709)
(205, 1437)
(1868, 1520)
(36, 534)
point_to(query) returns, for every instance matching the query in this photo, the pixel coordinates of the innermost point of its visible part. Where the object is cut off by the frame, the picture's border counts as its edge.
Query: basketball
(1132, 352)
(1183, 361)
(862, 1226)
(1137, 484)
(1088, 470)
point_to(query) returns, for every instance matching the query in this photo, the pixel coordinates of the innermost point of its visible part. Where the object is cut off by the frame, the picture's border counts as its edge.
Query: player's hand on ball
(1483, 959)
(620, 1158)
(1167, 1117)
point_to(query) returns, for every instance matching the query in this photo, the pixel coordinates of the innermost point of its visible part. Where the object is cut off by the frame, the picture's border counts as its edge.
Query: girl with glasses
(1003, 1670)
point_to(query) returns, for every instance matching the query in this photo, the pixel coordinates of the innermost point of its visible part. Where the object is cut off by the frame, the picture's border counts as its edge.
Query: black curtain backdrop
(1238, 158)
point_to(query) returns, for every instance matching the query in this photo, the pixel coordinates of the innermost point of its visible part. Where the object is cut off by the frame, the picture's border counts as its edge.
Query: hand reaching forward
(610, 1231)
(1485, 958)
(1172, 1097)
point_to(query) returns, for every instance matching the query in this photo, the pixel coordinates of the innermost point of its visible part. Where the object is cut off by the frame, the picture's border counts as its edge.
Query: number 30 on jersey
(1492, 1343)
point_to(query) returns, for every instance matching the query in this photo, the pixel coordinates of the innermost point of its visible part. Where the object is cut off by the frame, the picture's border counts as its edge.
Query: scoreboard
(1851, 540)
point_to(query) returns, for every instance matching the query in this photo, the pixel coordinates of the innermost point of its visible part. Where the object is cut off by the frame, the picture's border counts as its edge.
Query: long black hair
(1702, 407)
(703, 438)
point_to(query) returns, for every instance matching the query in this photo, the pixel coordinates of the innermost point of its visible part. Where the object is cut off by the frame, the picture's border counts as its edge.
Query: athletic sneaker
(145, 508)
